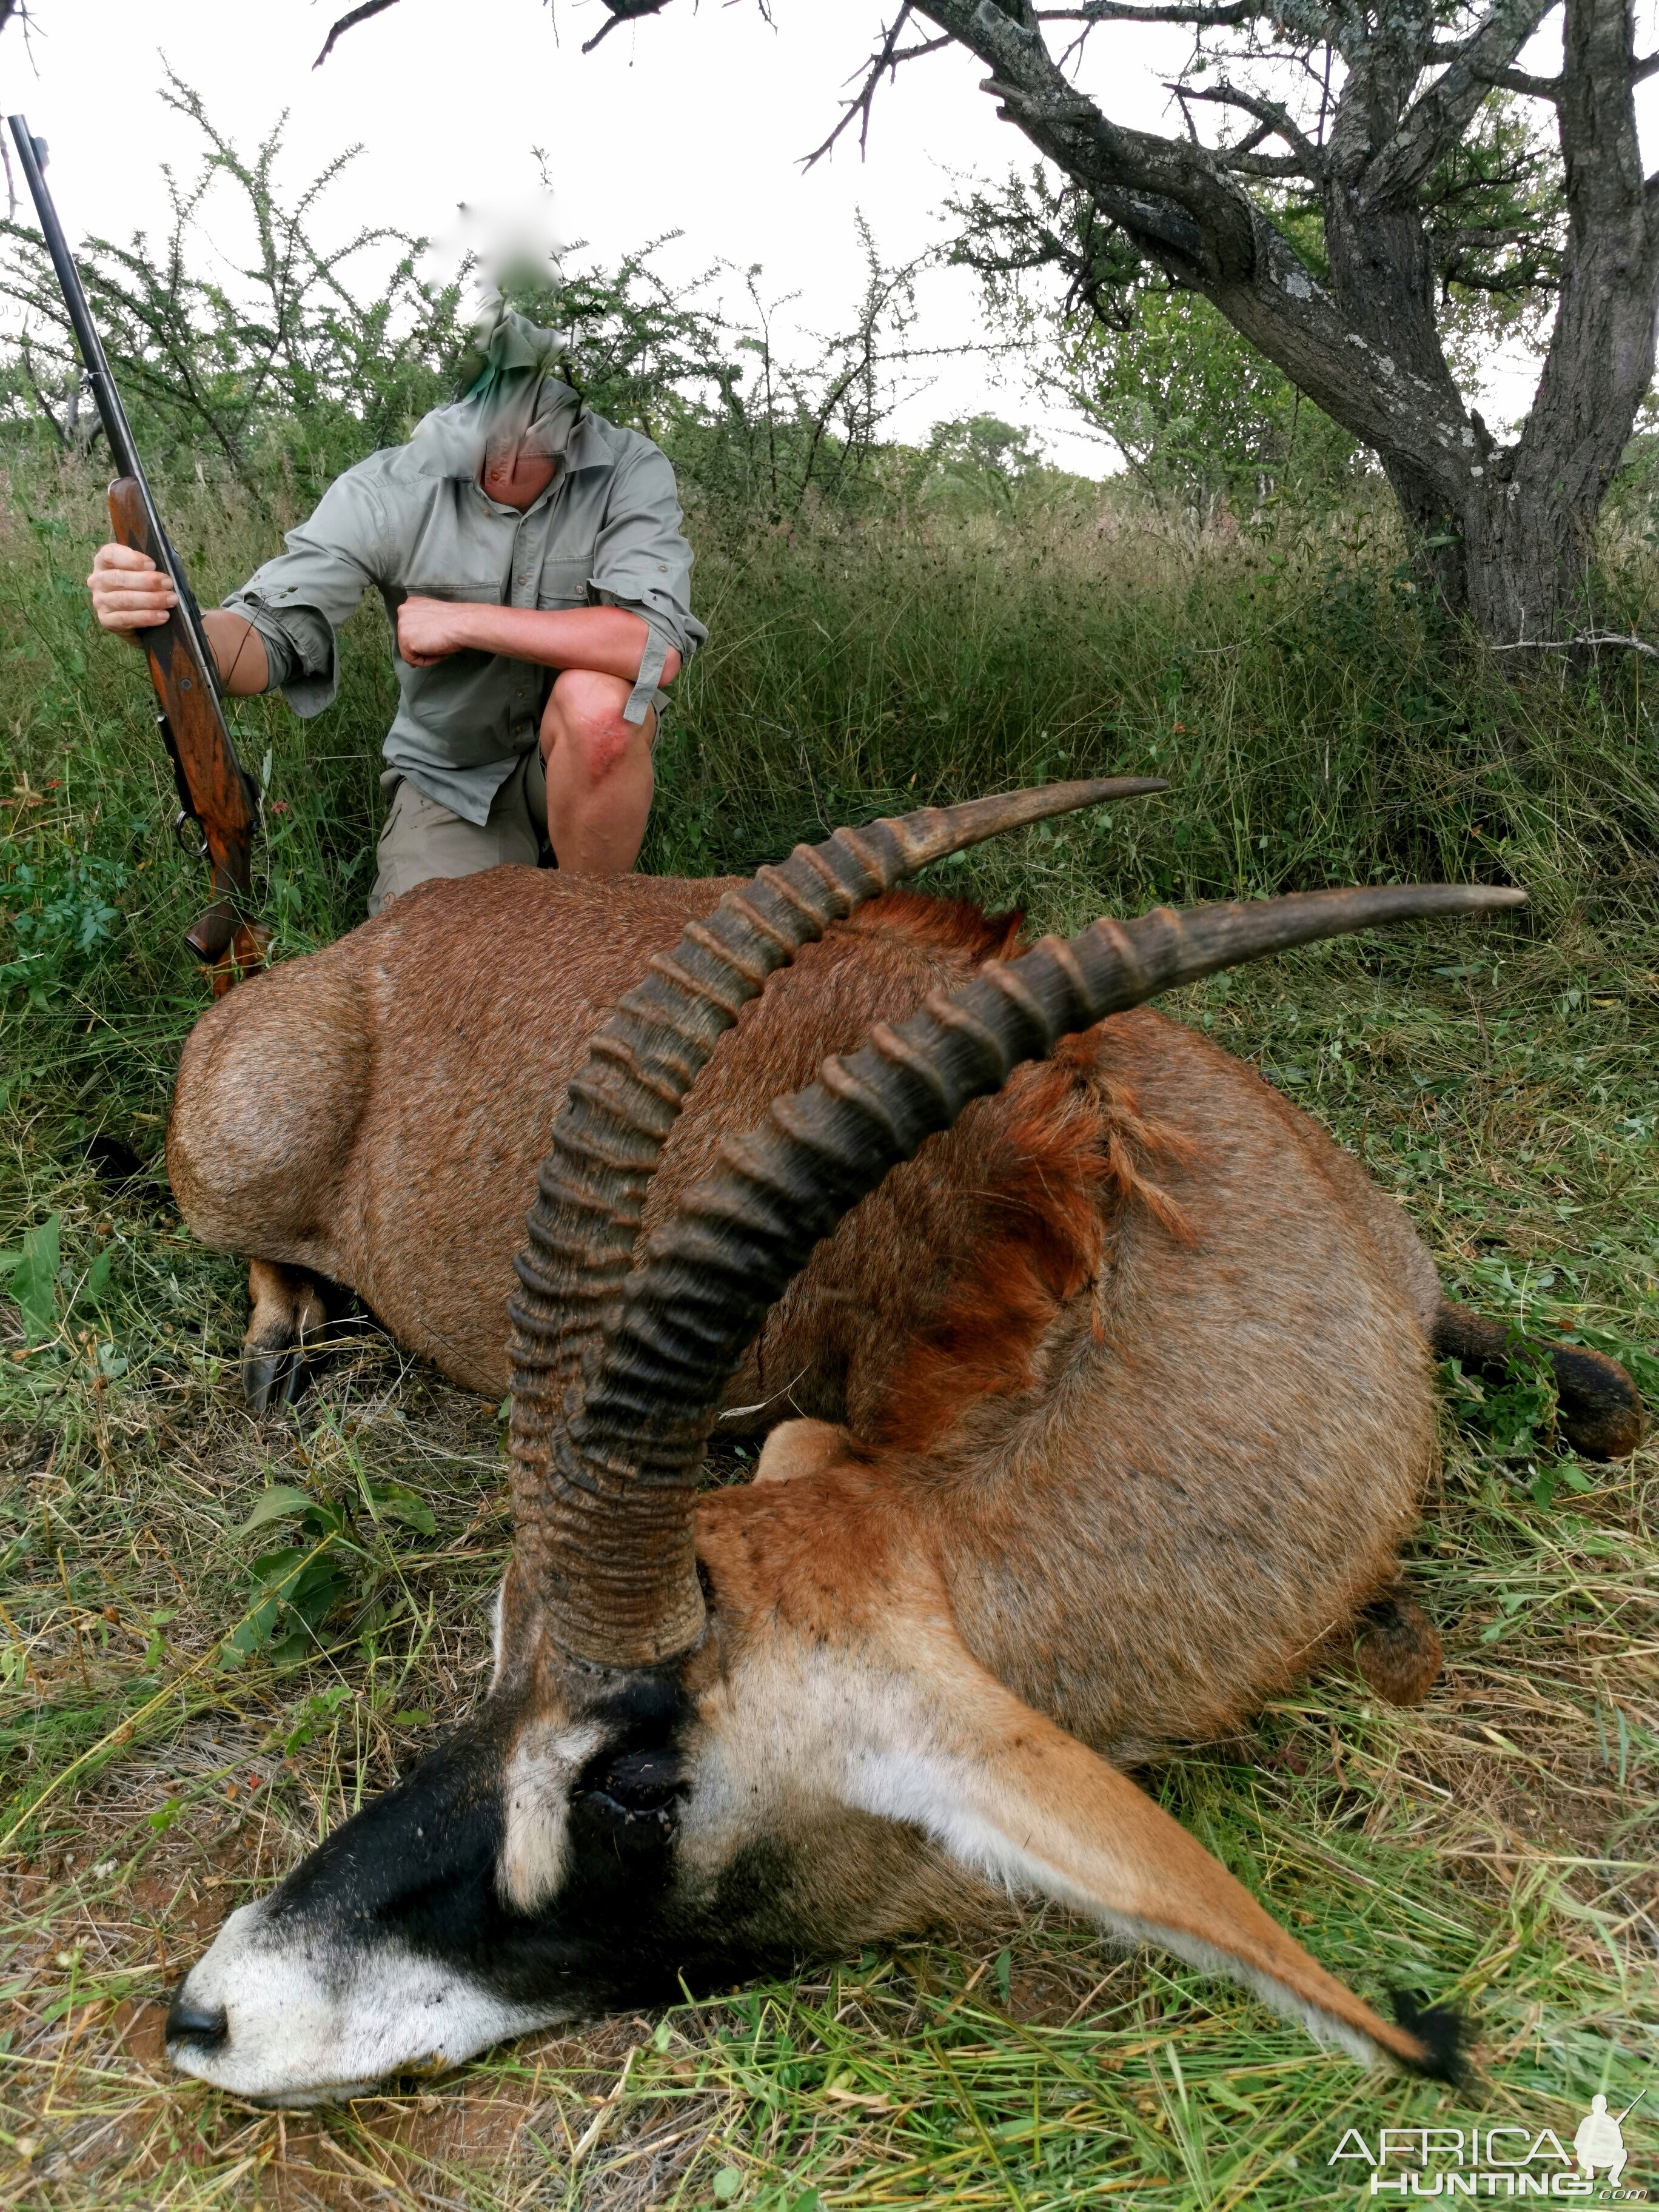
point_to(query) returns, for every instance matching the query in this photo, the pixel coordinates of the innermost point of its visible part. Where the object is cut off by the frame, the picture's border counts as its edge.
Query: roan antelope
(1122, 1380)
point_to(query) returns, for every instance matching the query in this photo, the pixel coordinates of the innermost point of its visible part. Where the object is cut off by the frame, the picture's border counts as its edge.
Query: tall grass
(1495, 1847)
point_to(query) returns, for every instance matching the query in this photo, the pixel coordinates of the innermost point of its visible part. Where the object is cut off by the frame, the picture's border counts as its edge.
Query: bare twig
(884, 61)
(1274, 120)
(40, 400)
(349, 22)
(1584, 637)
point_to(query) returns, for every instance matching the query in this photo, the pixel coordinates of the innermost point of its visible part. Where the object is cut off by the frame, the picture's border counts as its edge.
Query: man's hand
(128, 592)
(429, 630)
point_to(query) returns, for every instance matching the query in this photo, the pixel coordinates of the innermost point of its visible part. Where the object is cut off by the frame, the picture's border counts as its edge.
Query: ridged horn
(623, 1587)
(622, 1102)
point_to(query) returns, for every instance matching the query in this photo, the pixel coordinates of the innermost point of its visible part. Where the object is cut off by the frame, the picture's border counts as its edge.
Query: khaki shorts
(420, 840)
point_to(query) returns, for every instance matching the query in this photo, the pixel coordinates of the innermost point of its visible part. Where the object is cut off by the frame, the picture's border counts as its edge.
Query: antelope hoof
(1598, 1412)
(271, 1380)
(287, 1312)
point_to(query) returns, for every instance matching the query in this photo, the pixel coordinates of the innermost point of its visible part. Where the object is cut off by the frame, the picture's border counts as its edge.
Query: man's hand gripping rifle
(217, 795)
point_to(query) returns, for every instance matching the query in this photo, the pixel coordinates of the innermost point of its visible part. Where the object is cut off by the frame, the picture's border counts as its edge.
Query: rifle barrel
(108, 400)
(123, 450)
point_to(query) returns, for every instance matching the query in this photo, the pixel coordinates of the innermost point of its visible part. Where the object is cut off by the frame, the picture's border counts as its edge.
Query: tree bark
(1530, 519)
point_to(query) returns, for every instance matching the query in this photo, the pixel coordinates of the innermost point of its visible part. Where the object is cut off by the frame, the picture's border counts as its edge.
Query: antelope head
(725, 1734)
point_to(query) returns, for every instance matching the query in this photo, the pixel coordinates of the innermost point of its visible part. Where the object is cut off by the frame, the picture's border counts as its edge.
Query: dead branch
(349, 22)
(884, 62)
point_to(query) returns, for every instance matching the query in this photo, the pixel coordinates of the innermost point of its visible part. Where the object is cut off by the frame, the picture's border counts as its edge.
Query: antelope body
(1110, 1401)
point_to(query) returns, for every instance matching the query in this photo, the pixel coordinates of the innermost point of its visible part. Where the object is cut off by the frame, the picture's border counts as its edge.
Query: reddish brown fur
(1146, 1353)
(1070, 1154)
(1131, 1379)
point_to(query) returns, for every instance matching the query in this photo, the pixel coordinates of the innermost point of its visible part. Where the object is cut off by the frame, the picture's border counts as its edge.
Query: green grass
(1495, 1847)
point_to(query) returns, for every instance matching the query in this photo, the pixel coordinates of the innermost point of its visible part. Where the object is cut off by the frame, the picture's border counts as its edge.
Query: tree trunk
(1527, 565)
(1508, 540)
(1542, 496)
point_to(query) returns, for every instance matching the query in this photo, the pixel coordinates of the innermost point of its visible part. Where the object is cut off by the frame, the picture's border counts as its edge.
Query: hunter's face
(518, 478)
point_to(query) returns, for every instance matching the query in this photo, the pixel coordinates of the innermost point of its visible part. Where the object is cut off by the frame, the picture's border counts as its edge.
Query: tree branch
(1245, 161)
(1273, 119)
(1200, 17)
(1534, 87)
(1446, 109)
(57, 429)
(349, 22)
(884, 62)
(1177, 204)
(623, 11)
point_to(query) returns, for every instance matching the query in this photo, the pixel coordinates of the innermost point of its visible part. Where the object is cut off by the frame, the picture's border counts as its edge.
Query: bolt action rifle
(218, 800)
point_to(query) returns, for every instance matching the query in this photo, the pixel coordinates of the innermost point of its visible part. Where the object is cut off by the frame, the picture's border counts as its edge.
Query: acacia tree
(1360, 107)
(1374, 105)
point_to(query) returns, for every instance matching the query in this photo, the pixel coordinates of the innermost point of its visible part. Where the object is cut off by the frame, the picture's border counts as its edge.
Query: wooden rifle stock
(213, 788)
(213, 791)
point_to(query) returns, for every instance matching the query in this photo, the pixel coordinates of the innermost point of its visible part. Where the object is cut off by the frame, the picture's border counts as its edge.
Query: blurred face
(516, 479)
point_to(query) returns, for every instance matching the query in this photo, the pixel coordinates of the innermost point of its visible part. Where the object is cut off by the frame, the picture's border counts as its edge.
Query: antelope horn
(622, 1102)
(623, 1588)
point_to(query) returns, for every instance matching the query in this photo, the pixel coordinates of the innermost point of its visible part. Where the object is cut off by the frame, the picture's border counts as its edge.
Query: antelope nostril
(205, 2027)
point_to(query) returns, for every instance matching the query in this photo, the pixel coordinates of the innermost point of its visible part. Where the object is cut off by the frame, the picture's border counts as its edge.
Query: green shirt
(606, 532)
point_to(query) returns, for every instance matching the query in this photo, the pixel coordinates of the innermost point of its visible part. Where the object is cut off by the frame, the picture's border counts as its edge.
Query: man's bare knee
(583, 721)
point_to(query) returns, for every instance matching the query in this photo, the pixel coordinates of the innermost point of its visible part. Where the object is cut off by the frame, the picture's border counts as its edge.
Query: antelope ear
(1023, 1803)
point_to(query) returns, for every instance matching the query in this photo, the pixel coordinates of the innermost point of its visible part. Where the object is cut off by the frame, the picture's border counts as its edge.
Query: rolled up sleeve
(641, 562)
(298, 602)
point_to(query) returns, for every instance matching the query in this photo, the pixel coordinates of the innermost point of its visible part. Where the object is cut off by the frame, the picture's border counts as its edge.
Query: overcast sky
(695, 120)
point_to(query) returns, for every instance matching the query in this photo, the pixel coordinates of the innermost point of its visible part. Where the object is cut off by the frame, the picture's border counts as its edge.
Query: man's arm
(609, 639)
(129, 593)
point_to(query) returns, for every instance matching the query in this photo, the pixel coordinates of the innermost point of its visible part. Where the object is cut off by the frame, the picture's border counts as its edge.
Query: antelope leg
(287, 1313)
(1600, 1412)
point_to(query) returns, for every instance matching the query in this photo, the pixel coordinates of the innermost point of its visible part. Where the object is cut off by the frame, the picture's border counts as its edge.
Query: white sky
(694, 120)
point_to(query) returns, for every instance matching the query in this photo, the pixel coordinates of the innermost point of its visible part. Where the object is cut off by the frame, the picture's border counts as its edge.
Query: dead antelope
(1130, 1377)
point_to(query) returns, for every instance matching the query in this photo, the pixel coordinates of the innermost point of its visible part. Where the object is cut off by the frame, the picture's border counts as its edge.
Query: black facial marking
(418, 1868)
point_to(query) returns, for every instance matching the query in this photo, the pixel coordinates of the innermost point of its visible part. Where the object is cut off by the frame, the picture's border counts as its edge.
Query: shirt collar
(587, 448)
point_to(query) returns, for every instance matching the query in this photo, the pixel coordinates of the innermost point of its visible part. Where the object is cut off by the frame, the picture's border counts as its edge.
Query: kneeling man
(531, 559)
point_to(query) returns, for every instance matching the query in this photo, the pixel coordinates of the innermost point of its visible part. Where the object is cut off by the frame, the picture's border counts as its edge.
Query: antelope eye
(638, 1783)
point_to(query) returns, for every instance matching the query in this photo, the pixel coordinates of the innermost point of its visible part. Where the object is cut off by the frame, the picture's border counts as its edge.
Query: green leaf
(727, 2182)
(273, 1571)
(34, 1280)
(278, 1502)
(393, 1503)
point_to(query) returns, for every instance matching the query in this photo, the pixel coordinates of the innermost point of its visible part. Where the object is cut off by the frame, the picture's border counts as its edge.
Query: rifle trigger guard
(196, 846)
